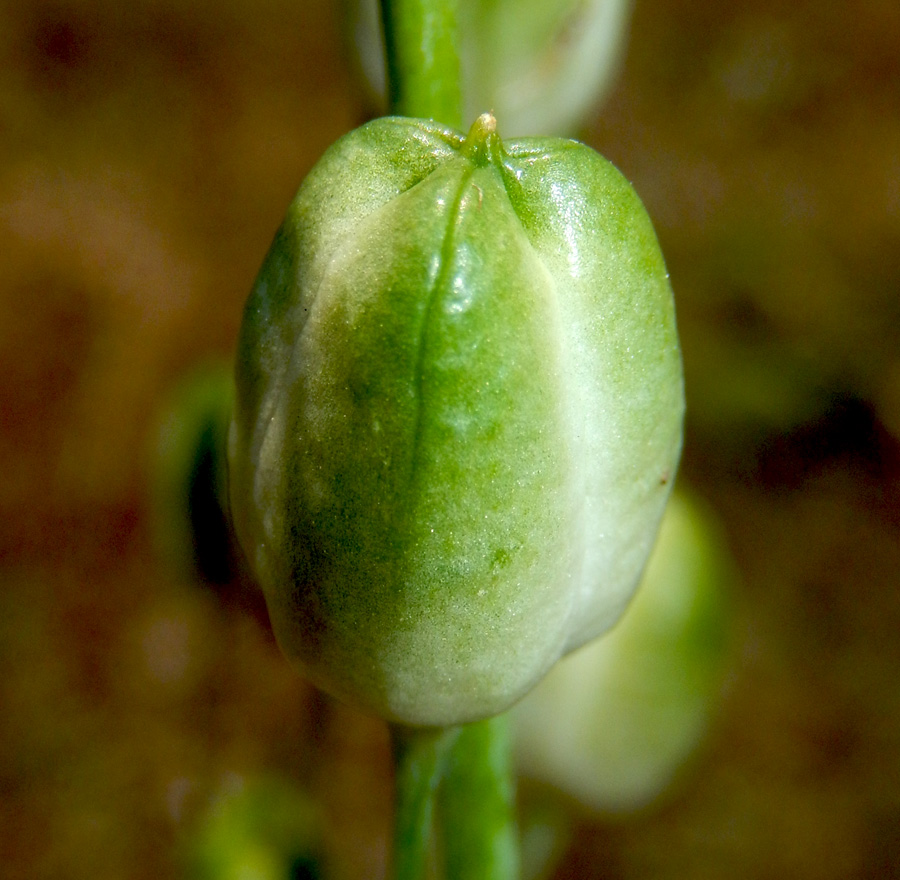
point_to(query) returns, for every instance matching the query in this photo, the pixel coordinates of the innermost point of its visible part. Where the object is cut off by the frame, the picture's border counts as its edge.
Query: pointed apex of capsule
(482, 143)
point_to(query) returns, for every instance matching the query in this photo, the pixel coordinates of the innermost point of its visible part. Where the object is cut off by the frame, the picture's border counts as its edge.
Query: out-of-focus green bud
(613, 724)
(540, 65)
(263, 829)
(188, 484)
(458, 415)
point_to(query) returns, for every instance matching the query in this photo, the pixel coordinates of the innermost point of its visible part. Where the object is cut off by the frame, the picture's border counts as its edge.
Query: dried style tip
(482, 143)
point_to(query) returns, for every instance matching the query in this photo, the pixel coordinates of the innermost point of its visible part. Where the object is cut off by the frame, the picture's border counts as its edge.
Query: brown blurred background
(147, 153)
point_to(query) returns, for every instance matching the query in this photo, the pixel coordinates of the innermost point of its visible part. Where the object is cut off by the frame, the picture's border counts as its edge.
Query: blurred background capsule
(616, 723)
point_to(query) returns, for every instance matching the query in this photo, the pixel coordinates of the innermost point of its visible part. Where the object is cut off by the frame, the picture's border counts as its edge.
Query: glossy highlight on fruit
(458, 415)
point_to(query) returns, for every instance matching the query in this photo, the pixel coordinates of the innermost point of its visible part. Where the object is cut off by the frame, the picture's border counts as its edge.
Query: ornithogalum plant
(457, 421)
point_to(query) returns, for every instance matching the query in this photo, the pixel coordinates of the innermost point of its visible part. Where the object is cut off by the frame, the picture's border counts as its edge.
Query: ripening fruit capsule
(458, 415)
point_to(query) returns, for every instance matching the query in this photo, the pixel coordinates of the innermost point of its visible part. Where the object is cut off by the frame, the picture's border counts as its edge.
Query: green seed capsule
(458, 415)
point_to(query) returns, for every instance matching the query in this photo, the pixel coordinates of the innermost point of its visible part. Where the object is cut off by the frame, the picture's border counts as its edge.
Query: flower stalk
(423, 59)
(470, 765)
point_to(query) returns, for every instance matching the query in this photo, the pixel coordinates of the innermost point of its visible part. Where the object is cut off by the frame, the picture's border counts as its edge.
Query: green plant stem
(423, 59)
(477, 802)
(477, 805)
(419, 760)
